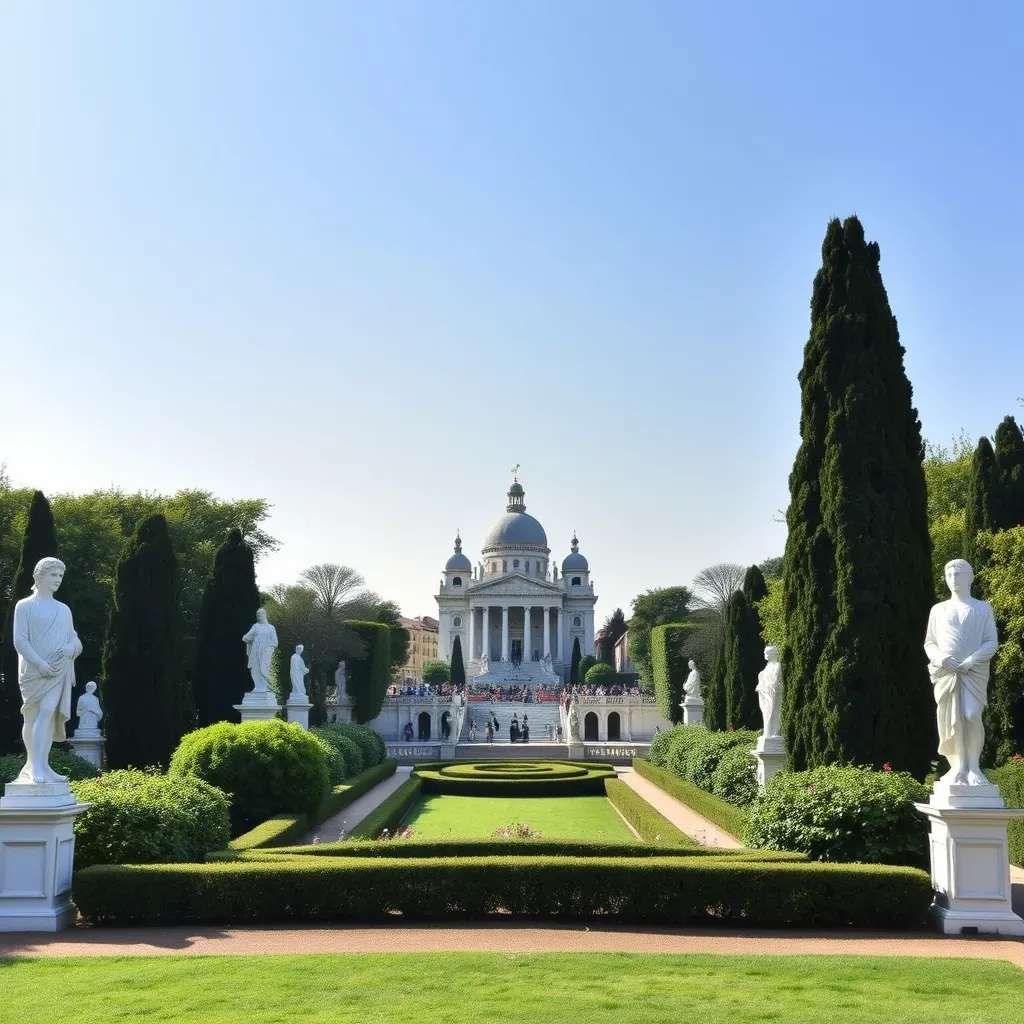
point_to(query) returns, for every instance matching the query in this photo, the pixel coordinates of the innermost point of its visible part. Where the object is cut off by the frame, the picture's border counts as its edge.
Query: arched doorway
(446, 725)
(613, 726)
(590, 726)
(423, 722)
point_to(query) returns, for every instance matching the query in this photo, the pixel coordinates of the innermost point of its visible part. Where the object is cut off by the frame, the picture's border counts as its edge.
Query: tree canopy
(656, 607)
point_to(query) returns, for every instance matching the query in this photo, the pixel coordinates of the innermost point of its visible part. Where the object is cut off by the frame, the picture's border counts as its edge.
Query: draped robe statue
(574, 722)
(692, 685)
(298, 672)
(260, 642)
(960, 643)
(89, 712)
(47, 645)
(769, 693)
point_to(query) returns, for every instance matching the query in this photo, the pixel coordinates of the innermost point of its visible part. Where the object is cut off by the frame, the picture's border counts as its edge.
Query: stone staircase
(540, 716)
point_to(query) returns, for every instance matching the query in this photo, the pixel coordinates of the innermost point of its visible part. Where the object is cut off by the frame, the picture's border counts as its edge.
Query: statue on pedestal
(960, 643)
(47, 645)
(769, 693)
(484, 663)
(260, 642)
(298, 672)
(89, 713)
(573, 721)
(692, 685)
(340, 683)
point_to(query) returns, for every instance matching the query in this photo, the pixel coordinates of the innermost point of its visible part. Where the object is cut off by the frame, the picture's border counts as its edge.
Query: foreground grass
(556, 817)
(461, 988)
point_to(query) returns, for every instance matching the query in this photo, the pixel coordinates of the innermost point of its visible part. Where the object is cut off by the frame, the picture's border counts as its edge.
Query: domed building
(516, 616)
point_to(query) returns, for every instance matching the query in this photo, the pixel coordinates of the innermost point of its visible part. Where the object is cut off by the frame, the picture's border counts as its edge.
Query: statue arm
(931, 646)
(989, 643)
(22, 644)
(273, 634)
(248, 636)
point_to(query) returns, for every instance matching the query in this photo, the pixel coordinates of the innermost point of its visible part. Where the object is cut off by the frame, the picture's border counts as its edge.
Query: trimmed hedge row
(668, 666)
(287, 828)
(369, 675)
(390, 812)
(651, 825)
(726, 816)
(669, 890)
(469, 779)
(1010, 780)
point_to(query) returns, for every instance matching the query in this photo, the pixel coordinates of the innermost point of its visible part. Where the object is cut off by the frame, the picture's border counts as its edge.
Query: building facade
(422, 646)
(515, 614)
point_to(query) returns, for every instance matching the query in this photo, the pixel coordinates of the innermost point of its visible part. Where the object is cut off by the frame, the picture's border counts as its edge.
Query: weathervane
(515, 472)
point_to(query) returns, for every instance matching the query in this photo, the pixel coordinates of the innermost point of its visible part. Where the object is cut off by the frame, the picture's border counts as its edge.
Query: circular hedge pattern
(529, 772)
(514, 778)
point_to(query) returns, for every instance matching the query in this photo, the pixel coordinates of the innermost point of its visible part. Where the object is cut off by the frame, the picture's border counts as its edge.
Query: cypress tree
(229, 607)
(984, 511)
(743, 653)
(39, 541)
(713, 692)
(458, 669)
(574, 665)
(1009, 454)
(857, 575)
(146, 703)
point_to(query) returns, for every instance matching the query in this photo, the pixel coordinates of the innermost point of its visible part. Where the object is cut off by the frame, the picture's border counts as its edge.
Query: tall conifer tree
(39, 541)
(574, 665)
(857, 577)
(458, 668)
(743, 652)
(1009, 453)
(229, 607)
(713, 693)
(984, 508)
(146, 701)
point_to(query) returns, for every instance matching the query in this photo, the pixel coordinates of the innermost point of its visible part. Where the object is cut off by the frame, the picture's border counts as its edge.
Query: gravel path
(330, 830)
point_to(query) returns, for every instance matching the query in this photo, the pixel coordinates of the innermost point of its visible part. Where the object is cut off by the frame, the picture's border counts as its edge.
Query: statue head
(299, 648)
(771, 653)
(959, 576)
(261, 616)
(692, 665)
(90, 688)
(47, 575)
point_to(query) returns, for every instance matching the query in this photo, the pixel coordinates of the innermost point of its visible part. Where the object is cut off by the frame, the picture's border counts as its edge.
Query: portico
(505, 631)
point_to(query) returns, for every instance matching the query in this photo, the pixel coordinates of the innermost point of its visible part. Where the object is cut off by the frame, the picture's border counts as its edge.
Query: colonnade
(486, 609)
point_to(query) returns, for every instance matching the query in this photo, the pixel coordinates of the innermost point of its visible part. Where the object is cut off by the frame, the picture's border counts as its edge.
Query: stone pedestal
(88, 745)
(576, 751)
(970, 860)
(693, 711)
(37, 851)
(345, 710)
(298, 711)
(770, 755)
(258, 707)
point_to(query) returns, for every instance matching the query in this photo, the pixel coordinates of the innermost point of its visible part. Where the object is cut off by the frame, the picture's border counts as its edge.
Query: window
(457, 621)
(504, 565)
(515, 564)
(575, 581)
(577, 621)
(457, 581)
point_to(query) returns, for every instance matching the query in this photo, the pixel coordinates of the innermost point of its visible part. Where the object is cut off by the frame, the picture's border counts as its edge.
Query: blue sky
(362, 258)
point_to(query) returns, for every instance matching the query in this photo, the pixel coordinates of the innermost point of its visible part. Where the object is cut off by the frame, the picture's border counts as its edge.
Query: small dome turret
(458, 562)
(574, 561)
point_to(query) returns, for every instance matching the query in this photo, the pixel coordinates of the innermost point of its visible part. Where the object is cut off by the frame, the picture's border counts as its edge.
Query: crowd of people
(518, 732)
(596, 690)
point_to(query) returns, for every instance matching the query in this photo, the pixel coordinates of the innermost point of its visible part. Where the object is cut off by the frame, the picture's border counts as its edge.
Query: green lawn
(461, 988)
(556, 817)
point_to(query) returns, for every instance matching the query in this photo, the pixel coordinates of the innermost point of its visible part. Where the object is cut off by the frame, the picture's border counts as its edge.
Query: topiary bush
(842, 813)
(707, 750)
(735, 777)
(267, 768)
(1010, 780)
(601, 675)
(337, 766)
(140, 817)
(587, 662)
(345, 747)
(65, 762)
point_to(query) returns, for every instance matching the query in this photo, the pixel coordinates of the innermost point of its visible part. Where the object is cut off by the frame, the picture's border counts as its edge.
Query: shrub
(727, 817)
(1010, 780)
(682, 739)
(267, 768)
(139, 817)
(651, 825)
(436, 672)
(842, 813)
(601, 675)
(490, 778)
(661, 744)
(334, 759)
(670, 889)
(735, 777)
(371, 746)
(65, 762)
(369, 676)
(587, 662)
(668, 666)
(708, 749)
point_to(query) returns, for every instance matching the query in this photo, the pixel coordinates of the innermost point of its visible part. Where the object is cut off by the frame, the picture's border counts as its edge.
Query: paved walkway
(489, 938)
(693, 824)
(329, 831)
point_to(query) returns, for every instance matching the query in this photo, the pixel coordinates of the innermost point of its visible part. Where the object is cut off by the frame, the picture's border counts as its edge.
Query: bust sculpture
(960, 643)
(47, 645)
(89, 713)
(298, 672)
(769, 693)
(260, 642)
(692, 685)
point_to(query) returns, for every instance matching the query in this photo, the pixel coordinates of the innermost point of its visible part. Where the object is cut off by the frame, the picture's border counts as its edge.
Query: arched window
(577, 621)
(515, 563)
(504, 565)
(457, 581)
(614, 727)
(575, 581)
(590, 726)
(457, 621)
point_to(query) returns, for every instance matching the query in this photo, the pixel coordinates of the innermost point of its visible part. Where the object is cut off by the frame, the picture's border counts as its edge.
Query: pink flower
(810, 789)
(886, 767)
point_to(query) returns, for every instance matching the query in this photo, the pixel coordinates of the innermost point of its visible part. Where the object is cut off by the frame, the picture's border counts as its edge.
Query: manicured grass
(556, 817)
(467, 988)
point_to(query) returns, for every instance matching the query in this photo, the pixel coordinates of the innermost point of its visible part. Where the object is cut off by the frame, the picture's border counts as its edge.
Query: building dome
(574, 561)
(516, 529)
(458, 562)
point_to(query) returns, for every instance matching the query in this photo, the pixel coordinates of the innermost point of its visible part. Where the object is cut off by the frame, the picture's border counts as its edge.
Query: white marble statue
(769, 693)
(692, 685)
(89, 713)
(260, 642)
(47, 645)
(960, 643)
(298, 670)
(484, 663)
(573, 721)
(341, 682)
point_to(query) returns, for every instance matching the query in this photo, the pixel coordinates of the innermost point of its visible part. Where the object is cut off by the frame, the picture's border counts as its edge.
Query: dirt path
(488, 938)
(329, 831)
(693, 824)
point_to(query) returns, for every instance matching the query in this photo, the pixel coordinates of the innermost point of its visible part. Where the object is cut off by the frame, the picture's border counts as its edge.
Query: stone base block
(298, 711)
(971, 868)
(576, 751)
(258, 711)
(37, 852)
(769, 762)
(947, 794)
(89, 748)
(36, 795)
(693, 711)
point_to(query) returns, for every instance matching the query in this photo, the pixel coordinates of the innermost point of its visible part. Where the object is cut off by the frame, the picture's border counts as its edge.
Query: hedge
(64, 762)
(389, 814)
(469, 779)
(284, 829)
(668, 666)
(727, 817)
(369, 676)
(1010, 780)
(667, 890)
(651, 825)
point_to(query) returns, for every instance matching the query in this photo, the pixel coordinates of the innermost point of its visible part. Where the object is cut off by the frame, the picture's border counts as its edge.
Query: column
(547, 632)
(527, 648)
(472, 633)
(558, 633)
(485, 646)
(504, 632)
